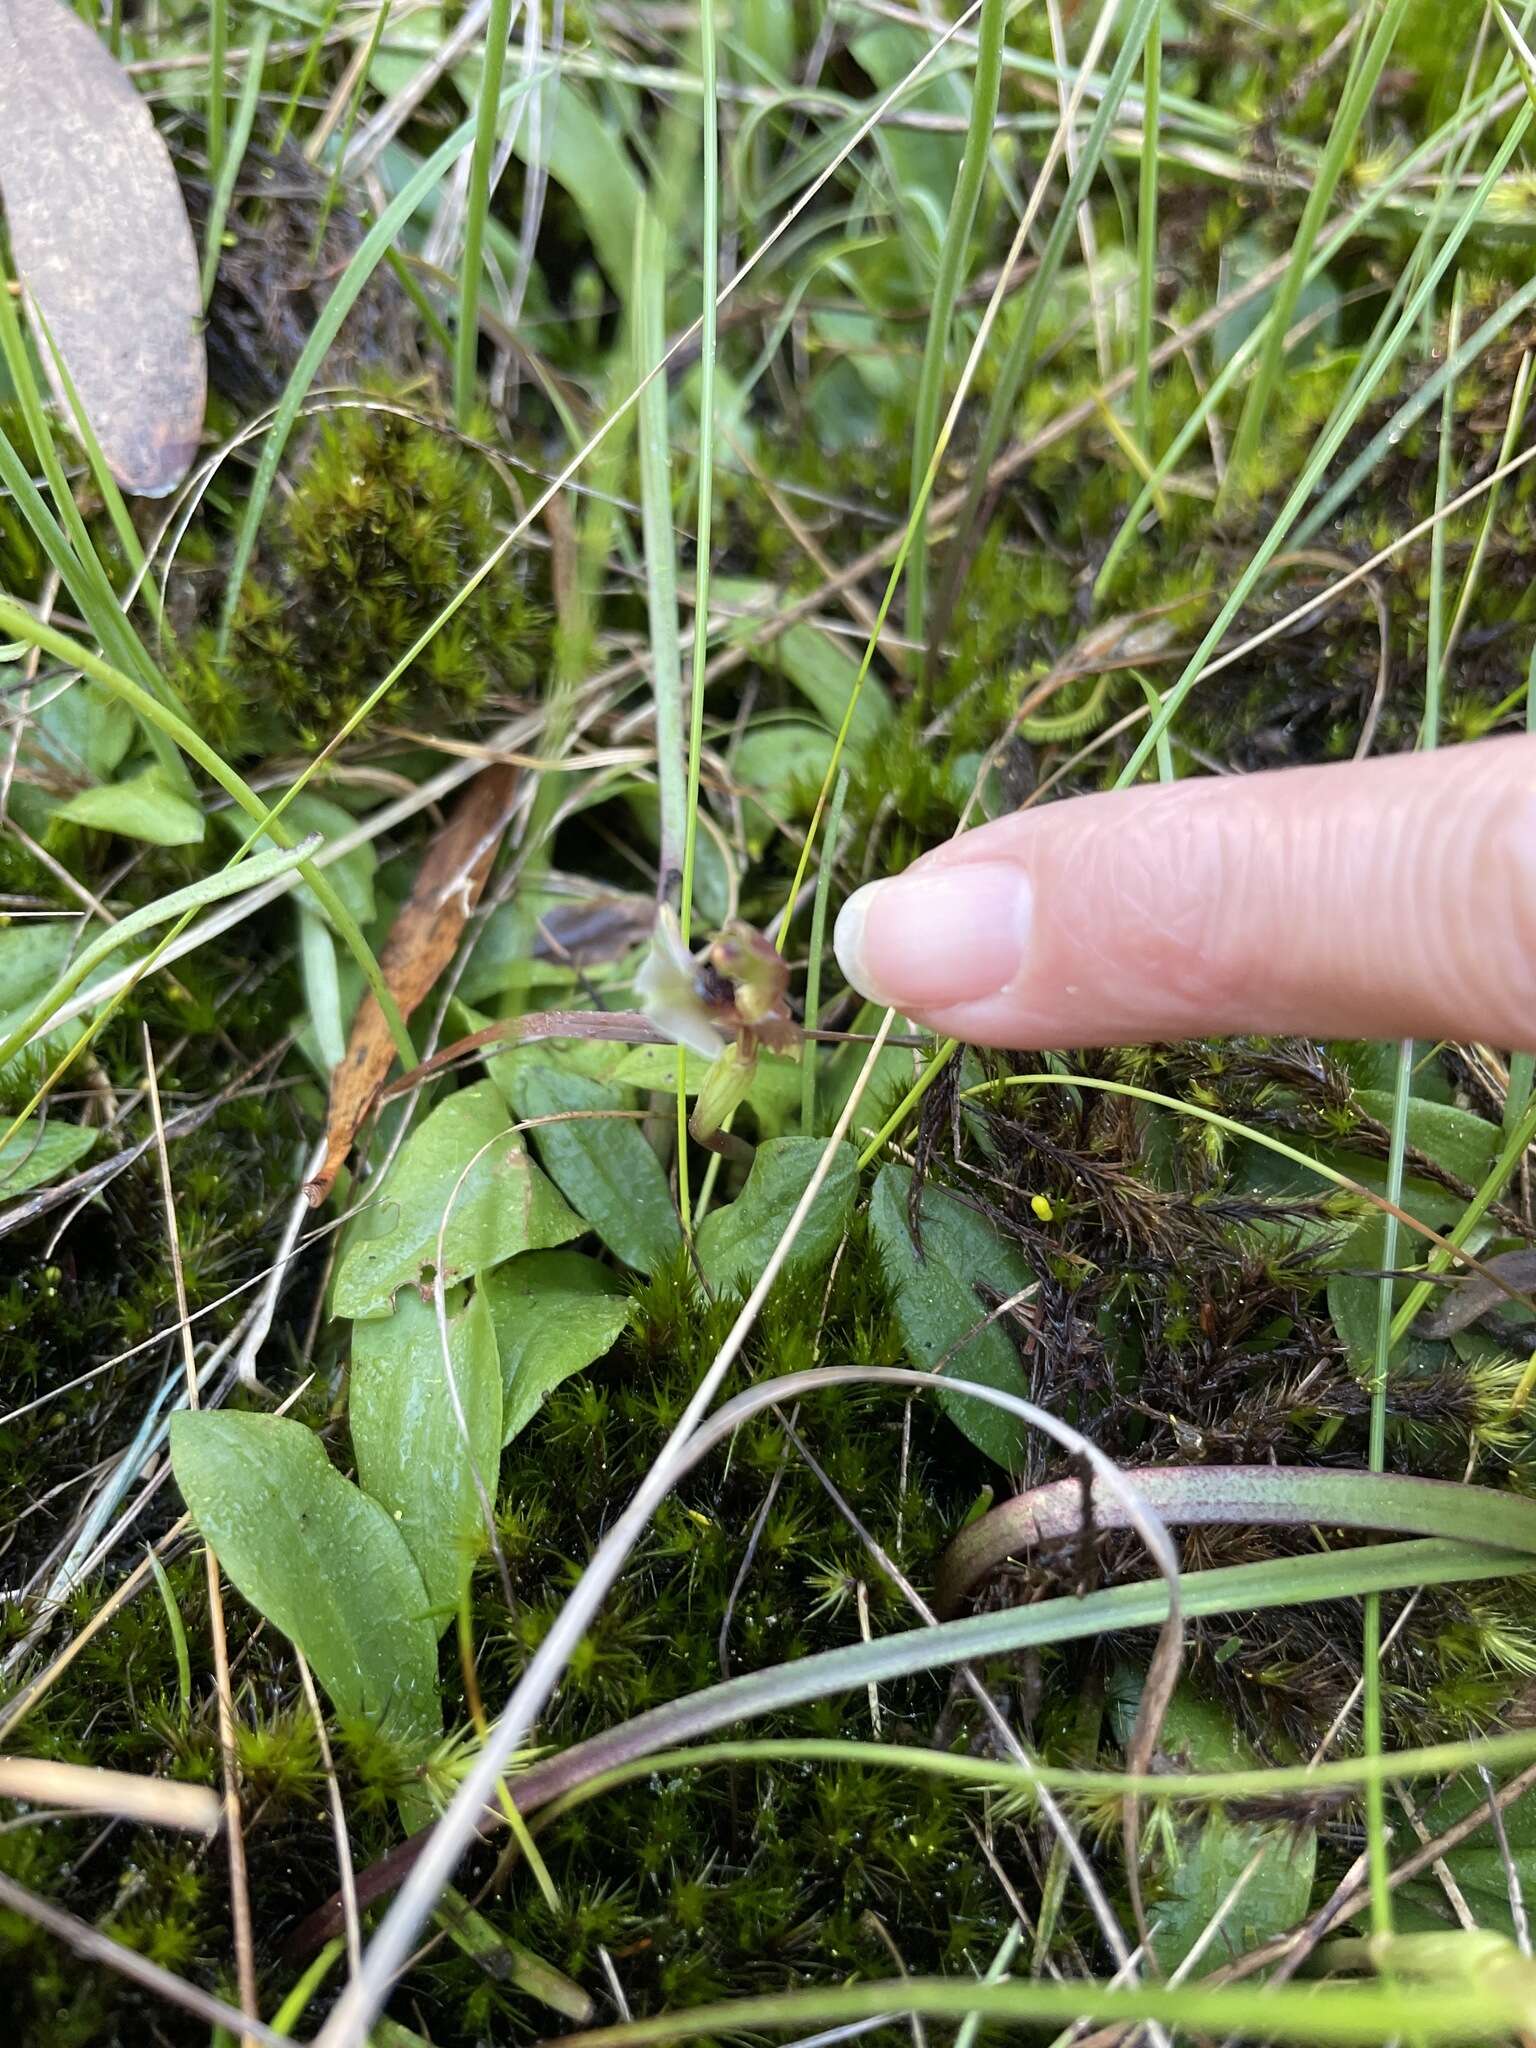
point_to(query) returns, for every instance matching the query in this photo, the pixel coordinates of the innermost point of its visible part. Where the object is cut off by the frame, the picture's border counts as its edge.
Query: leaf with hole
(939, 1305)
(323, 1562)
(735, 1243)
(100, 236)
(504, 1205)
(601, 1163)
(554, 1314)
(414, 1455)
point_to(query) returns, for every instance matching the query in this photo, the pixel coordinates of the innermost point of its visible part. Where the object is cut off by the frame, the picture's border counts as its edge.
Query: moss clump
(388, 520)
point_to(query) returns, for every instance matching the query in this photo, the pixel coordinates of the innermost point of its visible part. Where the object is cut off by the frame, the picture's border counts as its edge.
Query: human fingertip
(937, 935)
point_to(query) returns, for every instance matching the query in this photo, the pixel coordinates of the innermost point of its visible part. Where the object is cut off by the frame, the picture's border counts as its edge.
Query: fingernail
(936, 936)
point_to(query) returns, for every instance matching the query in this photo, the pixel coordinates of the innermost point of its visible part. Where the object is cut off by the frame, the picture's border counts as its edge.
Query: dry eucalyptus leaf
(100, 238)
(421, 942)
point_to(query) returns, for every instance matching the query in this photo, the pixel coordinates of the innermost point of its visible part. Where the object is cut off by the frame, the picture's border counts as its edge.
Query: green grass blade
(952, 253)
(1359, 87)
(64, 536)
(1019, 1780)
(704, 541)
(178, 1629)
(218, 50)
(1320, 1575)
(999, 414)
(249, 874)
(1323, 451)
(14, 619)
(647, 312)
(1371, 1716)
(1016, 360)
(1331, 2015)
(1146, 231)
(1434, 653)
(234, 157)
(487, 116)
(809, 1052)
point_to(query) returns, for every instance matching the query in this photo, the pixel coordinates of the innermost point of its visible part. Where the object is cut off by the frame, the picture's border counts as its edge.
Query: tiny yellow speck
(1042, 1207)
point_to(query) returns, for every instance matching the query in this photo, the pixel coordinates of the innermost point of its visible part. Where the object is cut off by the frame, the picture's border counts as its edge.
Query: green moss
(387, 521)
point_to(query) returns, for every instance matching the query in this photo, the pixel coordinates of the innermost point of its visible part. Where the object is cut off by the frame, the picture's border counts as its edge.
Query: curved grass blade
(1247, 1588)
(1272, 1496)
(262, 867)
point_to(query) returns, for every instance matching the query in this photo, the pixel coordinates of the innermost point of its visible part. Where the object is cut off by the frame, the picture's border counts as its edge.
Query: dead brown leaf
(100, 237)
(420, 945)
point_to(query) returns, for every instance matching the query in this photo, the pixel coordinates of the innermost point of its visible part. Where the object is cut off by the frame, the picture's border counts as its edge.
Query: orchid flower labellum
(722, 1004)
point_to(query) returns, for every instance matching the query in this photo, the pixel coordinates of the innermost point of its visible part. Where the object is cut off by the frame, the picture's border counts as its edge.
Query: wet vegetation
(1180, 1251)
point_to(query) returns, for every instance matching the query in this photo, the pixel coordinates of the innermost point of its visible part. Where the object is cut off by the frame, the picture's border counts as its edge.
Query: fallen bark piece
(421, 942)
(100, 237)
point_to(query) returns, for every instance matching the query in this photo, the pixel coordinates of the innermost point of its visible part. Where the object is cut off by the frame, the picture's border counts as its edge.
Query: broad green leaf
(413, 39)
(1477, 1864)
(83, 724)
(506, 1961)
(593, 1059)
(413, 1457)
(38, 1151)
(774, 1090)
(323, 1562)
(503, 957)
(351, 876)
(925, 163)
(937, 1302)
(1204, 1855)
(1462, 1143)
(583, 154)
(504, 1205)
(820, 668)
(32, 953)
(1212, 1855)
(654, 1067)
(601, 1164)
(735, 1243)
(785, 764)
(554, 1313)
(1354, 1303)
(143, 807)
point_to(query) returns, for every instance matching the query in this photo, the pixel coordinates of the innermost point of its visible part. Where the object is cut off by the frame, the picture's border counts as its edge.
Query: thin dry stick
(1517, 1910)
(239, 1888)
(97, 1947)
(346, 1875)
(159, 1802)
(1455, 1897)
